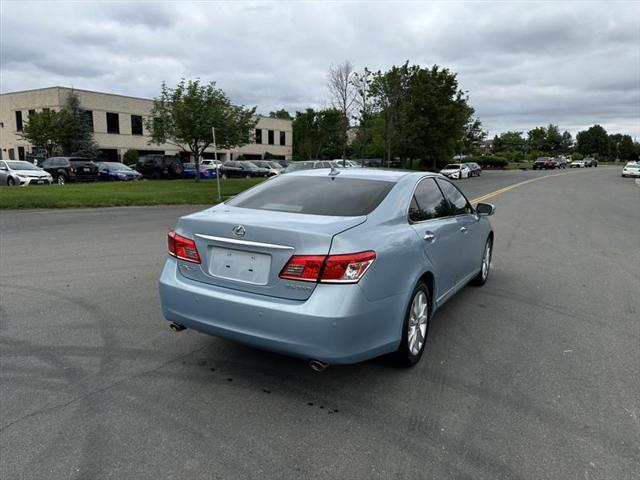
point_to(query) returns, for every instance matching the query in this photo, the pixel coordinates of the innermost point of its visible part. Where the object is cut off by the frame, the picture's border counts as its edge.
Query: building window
(31, 113)
(113, 123)
(20, 153)
(136, 125)
(19, 120)
(89, 115)
(12, 155)
(283, 137)
(270, 137)
(258, 136)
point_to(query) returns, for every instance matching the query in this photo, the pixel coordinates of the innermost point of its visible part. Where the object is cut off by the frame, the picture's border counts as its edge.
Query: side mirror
(485, 209)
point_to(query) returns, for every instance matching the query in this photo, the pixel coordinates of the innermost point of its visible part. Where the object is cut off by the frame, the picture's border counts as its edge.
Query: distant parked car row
(550, 163)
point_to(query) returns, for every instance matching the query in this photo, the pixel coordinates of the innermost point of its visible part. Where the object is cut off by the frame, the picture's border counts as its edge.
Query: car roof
(363, 173)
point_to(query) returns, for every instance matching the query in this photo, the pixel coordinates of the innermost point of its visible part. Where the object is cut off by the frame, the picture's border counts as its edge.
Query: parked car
(476, 170)
(270, 167)
(577, 164)
(560, 162)
(329, 268)
(19, 172)
(211, 163)
(590, 162)
(115, 171)
(70, 169)
(456, 170)
(160, 166)
(544, 163)
(631, 169)
(241, 169)
(206, 172)
(310, 165)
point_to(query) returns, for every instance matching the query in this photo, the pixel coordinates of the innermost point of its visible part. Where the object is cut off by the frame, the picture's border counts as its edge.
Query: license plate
(85, 169)
(40, 182)
(247, 267)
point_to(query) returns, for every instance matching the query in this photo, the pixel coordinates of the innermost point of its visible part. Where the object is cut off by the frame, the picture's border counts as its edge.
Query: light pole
(215, 156)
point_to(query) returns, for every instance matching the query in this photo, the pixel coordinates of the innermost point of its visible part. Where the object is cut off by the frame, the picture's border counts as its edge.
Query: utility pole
(215, 156)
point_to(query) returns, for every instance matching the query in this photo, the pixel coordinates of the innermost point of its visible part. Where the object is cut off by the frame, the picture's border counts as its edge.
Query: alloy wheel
(486, 260)
(417, 324)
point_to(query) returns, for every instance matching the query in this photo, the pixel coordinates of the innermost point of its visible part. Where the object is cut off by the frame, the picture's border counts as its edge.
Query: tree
(567, 142)
(342, 94)
(594, 140)
(184, 115)
(47, 129)
(281, 114)
(78, 140)
(509, 142)
(474, 135)
(131, 157)
(552, 139)
(626, 149)
(536, 139)
(364, 111)
(318, 134)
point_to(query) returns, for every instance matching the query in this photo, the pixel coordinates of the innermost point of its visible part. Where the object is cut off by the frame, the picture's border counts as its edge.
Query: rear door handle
(463, 229)
(429, 237)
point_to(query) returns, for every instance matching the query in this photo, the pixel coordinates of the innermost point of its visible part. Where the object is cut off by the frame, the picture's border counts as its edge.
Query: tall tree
(536, 138)
(78, 140)
(317, 134)
(474, 135)
(594, 140)
(342, 94)
(552, 139)
(47, 129)
(626, 149)
(567, 142)
(184, 115)
(281, 114)
(364, 111)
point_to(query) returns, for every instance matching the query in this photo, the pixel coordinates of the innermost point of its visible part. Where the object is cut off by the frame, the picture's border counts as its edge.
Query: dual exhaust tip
(315, 365)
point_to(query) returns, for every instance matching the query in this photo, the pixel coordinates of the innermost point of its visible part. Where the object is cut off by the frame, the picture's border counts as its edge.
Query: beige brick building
(118, 125)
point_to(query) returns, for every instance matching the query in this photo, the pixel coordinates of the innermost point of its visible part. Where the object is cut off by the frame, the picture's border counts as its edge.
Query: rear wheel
(61, 180)
(415, 327)
(485, 267)
(11, 182)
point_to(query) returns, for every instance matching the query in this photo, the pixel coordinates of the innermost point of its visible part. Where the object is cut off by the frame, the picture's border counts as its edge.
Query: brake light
(182, 248)
(69, 169)
(348, 268)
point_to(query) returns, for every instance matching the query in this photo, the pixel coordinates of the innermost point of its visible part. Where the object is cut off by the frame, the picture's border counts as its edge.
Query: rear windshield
(342, 197)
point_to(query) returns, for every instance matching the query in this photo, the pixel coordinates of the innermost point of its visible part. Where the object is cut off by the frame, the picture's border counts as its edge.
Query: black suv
(70, 169)
(160, 166)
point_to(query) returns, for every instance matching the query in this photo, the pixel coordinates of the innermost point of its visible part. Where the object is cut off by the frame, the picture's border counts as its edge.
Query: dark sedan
(244, 169)
(114, 171)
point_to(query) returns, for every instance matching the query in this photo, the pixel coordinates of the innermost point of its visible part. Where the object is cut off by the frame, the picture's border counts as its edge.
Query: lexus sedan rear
(330, 266)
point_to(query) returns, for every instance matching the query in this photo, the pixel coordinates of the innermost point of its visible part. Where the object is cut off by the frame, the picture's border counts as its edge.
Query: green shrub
(130, 157)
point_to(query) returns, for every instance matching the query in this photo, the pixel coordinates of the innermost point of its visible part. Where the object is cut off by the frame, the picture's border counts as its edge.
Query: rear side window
(427, 202)
(342, 197)
(459, 204)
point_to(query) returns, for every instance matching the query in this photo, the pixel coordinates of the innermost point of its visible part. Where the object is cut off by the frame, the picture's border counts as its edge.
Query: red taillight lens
(347, 268)
(303, 267)
(328, 269)
(182, 248)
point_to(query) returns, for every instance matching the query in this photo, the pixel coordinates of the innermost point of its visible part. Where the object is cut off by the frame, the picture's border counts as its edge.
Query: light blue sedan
(332, 266)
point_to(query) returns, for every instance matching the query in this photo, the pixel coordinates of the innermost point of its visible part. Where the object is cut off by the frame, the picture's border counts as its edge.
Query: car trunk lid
(246, 249)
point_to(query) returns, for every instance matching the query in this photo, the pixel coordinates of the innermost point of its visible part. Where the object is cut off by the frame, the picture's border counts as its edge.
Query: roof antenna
(334, 171)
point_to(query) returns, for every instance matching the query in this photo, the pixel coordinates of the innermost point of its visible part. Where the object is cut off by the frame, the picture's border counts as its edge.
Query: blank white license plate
(240, 266)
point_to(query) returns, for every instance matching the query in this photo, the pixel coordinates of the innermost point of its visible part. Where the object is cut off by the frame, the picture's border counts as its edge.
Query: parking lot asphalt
(535, 375)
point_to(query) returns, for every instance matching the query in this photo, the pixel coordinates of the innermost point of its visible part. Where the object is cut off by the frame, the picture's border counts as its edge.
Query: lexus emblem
(238, 231)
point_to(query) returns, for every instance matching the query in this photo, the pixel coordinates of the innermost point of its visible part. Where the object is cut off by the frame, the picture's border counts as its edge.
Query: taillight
(347, 268)
(69, 169)
(182, 248)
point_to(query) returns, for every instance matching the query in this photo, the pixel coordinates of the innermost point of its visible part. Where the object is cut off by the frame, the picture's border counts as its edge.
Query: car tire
(415, 327)
(11, 182)
(485, 266)
(61, 180)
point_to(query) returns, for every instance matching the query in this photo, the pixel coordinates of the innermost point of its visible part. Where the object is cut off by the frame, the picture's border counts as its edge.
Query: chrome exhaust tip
(176, 327)
(318, 365)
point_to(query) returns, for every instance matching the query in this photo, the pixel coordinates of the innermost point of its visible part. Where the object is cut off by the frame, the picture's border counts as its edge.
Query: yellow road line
(511, 187)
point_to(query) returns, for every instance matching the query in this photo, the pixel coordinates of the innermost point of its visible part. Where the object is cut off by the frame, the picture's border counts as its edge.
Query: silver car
(332, 266)
(19, 172)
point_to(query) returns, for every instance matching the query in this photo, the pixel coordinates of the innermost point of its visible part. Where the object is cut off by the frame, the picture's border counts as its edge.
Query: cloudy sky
(523, 64)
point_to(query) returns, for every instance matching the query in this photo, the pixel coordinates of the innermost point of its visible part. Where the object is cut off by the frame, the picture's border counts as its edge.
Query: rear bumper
(337, 324)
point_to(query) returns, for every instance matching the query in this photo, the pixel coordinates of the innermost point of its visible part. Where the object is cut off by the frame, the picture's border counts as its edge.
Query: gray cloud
(523, 64)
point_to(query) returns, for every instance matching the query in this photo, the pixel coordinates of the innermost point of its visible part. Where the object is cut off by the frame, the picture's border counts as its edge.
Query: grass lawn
(116, 194)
